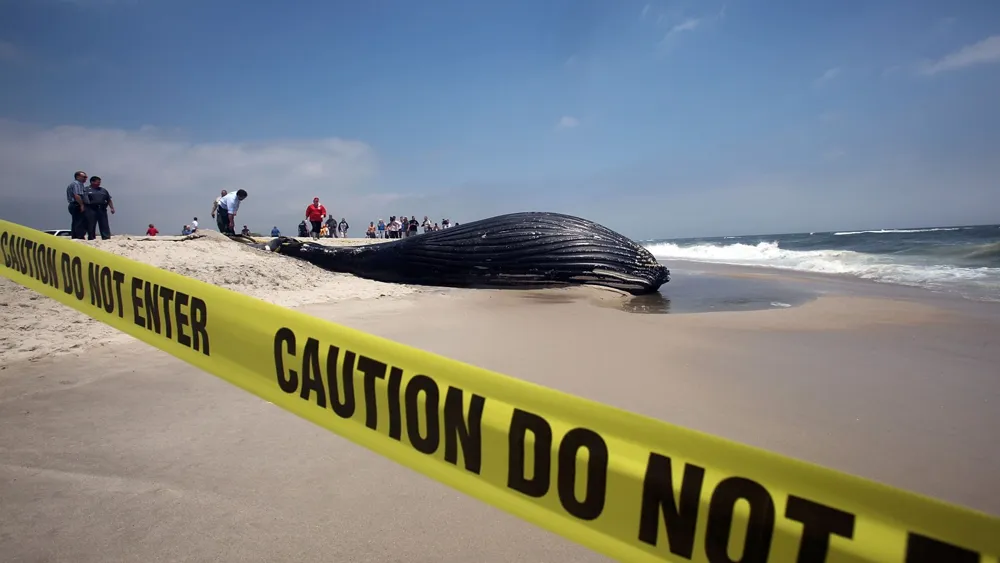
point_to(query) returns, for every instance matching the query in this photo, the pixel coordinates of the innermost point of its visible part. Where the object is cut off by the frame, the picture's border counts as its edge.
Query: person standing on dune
(314, 214)
(226, 211)
(77, 205)
(215, 204)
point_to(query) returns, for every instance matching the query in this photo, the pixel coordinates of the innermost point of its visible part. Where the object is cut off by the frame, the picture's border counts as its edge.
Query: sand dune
(32, 326)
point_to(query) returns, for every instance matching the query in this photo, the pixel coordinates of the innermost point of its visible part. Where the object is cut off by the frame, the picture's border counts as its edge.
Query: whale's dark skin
(514, 251)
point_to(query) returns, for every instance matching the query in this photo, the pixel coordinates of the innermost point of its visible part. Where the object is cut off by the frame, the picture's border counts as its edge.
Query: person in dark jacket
(98, 203)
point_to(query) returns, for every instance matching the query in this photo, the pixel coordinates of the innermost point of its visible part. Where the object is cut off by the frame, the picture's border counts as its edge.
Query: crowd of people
(402, 227)
(320, 224)
(89, 204)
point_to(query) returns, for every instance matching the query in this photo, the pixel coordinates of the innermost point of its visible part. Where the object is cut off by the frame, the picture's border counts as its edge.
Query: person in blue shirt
(275, 232)
(77, 205)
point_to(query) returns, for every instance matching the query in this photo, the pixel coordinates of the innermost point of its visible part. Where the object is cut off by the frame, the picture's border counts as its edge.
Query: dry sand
(127, 454)
(33, 327)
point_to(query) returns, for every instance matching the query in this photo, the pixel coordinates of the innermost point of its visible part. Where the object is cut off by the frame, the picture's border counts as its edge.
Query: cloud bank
(158, 177)
(982, 52)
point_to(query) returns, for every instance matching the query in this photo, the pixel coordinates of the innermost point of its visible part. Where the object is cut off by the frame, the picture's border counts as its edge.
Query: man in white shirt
(225, 212)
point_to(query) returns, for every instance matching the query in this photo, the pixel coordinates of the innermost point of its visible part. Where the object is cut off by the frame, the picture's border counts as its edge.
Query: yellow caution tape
(628, 486)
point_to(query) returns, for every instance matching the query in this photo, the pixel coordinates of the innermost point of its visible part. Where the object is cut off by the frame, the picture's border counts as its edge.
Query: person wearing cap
(331, 226)
(225, 212)
(314, 214)
(98, 203)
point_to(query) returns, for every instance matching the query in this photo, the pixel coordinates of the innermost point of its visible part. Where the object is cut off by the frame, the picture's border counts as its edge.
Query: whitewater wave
(978, 283)
(891, 231)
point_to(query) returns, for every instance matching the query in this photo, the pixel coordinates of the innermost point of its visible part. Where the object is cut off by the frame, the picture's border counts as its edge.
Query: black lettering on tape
(15, 260)
(15, 264)
(51, 257)
(38, 261)
(27, 253)
(41, 267)
(17, 249)
(414, 387)
(137, 304)
(107, 290)
(199, 326)
(312, 377)
(30, 258)
(180, 302)
(818, 523)
(922, 549)
(460, 430)
(468, 431)
(4, 236)
(64, 265)
(284, 343)
(680, 516)
(520, 423)
(76, 267)
(597, 473)
(151, 292)
(94, 285)
(166, 297)
(373, 369)
(343, 408)
(760, 522)
(22, 260)
(189, 311)
(9, 255)
(22, 256)
(392, 393)
(41, 270)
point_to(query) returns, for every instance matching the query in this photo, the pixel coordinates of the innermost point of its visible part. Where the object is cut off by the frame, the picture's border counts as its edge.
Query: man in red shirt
(151, 231)
(315, 214)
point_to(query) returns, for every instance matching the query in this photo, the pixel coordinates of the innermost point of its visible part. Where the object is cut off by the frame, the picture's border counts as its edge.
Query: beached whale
(517, 250)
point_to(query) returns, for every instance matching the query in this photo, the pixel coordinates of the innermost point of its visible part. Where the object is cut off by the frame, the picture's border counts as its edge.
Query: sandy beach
(35, 327)
(115, 451)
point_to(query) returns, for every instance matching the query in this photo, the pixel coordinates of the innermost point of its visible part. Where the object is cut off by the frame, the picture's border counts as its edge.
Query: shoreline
(34, 326)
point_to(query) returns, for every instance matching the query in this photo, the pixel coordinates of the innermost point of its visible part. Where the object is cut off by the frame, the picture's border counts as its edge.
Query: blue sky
(658, 119)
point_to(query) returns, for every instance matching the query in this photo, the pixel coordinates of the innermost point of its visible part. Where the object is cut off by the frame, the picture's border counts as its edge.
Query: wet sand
(124, 453)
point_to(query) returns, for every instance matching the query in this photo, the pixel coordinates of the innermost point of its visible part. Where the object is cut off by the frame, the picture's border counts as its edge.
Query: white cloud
(159, 177)
(827, 76)
(689, 24)
(984, 52)
(645, 11)
(567, 122)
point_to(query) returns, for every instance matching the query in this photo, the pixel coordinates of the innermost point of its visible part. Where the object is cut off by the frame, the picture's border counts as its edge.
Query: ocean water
(963, 260)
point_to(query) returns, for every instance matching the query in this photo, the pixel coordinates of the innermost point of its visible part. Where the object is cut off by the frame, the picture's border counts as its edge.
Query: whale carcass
(516, 250)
